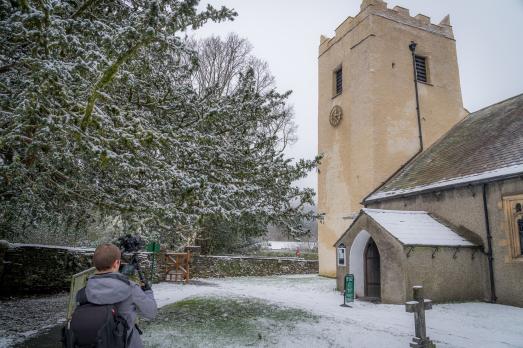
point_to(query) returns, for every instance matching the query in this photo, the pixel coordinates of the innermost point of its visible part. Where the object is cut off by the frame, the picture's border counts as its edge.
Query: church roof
(416, 228)
(485, 146)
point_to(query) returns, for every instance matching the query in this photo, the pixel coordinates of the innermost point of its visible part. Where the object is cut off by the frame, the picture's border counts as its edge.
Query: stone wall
(234, 266)
(31, 269)
(38, 269)
(4, 245)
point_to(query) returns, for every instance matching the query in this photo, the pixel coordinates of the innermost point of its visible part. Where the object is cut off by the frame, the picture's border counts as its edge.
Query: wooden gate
(177, 267)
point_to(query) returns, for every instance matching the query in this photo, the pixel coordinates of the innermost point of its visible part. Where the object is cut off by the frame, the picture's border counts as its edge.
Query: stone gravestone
(418, 307)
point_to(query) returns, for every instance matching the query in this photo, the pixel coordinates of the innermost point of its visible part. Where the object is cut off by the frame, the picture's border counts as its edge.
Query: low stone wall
(234, 266)
(39, 269)
(32, 269)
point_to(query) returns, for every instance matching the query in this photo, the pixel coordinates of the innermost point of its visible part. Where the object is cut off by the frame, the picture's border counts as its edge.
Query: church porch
(390, 251)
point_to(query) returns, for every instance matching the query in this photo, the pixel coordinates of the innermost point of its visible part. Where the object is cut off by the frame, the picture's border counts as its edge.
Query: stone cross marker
(418, 307)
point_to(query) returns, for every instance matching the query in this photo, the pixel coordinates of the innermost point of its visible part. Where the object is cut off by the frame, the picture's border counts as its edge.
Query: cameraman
(108, 286)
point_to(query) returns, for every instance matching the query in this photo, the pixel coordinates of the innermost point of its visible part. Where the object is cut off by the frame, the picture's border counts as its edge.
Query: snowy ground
(24, 317)
(363, 325)
(285, 311)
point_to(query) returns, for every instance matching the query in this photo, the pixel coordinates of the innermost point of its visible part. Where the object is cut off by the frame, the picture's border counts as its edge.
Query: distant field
(307, 255)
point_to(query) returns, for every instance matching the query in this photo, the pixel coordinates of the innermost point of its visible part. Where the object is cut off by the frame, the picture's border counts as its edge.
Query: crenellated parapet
(398, 14)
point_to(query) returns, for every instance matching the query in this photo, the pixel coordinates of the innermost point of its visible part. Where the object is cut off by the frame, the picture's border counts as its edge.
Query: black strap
(128, 340)
(138, 329)
(81, 297)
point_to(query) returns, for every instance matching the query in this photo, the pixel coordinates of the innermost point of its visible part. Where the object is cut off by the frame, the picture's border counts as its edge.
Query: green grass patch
(219, 322)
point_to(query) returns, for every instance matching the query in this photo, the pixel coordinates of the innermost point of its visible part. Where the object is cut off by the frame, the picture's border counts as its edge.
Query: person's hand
(145, 286)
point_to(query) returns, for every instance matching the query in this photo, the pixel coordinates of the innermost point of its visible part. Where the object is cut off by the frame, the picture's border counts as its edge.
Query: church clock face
(335, 116)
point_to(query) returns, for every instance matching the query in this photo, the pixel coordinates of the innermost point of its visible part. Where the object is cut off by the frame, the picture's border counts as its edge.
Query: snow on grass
(6, 341)
(279, 311)
(363, 325)
(222, 321)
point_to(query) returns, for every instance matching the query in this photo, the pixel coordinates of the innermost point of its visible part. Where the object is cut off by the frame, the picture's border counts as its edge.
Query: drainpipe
(412, 48)
(490, 257)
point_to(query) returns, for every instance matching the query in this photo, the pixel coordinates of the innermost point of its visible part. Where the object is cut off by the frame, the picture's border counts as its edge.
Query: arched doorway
(357, 261)
(372, 270)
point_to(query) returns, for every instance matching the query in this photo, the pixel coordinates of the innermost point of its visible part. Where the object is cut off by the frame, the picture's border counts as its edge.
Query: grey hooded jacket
(129, 299)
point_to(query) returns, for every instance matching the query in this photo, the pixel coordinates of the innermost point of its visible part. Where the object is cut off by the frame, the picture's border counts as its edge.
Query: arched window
(514, 212)
(342, 252)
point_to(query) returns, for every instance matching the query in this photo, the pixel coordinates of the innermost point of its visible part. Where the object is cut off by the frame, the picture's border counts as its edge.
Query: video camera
(131, 244)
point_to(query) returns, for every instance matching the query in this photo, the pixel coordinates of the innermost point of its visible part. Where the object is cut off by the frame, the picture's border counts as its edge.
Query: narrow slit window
(421, 69)
(338, 81)
(520, 229)
(341, 255)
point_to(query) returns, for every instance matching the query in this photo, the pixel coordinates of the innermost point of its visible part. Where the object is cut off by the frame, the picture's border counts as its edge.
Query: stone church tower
(368, 124)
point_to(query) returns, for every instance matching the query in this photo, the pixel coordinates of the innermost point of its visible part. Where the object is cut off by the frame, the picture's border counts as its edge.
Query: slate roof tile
(485, 145)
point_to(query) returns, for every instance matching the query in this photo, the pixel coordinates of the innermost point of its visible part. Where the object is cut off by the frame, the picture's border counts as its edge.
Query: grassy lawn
(219, 322)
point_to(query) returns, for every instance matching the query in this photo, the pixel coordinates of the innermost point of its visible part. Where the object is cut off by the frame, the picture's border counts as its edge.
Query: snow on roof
(467, 179)
(416, 228)
(485, 146)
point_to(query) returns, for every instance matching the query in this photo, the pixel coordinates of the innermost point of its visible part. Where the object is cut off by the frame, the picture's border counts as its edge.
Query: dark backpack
(95, 326)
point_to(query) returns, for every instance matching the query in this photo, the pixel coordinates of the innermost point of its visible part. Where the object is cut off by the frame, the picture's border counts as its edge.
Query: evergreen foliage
(101, 124)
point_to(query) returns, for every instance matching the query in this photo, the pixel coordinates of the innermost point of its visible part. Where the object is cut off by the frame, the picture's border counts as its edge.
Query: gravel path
(23, 317)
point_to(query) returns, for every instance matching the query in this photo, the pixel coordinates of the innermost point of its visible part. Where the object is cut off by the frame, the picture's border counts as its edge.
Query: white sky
(286, 34)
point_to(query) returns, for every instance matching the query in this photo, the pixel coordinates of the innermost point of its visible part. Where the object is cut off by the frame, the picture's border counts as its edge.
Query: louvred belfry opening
(421, 69)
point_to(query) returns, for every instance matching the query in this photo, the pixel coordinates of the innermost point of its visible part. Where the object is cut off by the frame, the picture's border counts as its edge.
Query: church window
(514, 215)
(421, 69)
(520, 228)
(342, 255)
(338, 81)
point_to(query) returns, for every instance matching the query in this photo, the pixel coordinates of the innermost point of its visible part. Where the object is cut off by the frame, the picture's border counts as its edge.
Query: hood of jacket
(107, 288)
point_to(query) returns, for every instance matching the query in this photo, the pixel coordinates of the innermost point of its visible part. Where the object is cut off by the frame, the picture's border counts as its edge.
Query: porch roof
(416, 228)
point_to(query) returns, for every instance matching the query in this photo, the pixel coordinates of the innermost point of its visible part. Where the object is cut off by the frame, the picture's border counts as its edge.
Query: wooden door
(372, 270)
(520, 230)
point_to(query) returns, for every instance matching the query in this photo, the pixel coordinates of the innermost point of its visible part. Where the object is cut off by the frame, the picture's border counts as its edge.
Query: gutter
(442, 188)
(490, 256)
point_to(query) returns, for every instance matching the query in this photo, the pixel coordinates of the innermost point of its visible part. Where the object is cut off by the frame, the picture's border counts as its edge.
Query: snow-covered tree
(100, 123)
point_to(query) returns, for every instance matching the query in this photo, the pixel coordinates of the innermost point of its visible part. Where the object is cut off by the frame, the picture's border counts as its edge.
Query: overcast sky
(286, 34)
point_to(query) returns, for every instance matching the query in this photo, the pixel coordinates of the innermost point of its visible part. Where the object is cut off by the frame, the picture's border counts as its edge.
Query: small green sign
(349, 288)
(153, 247)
